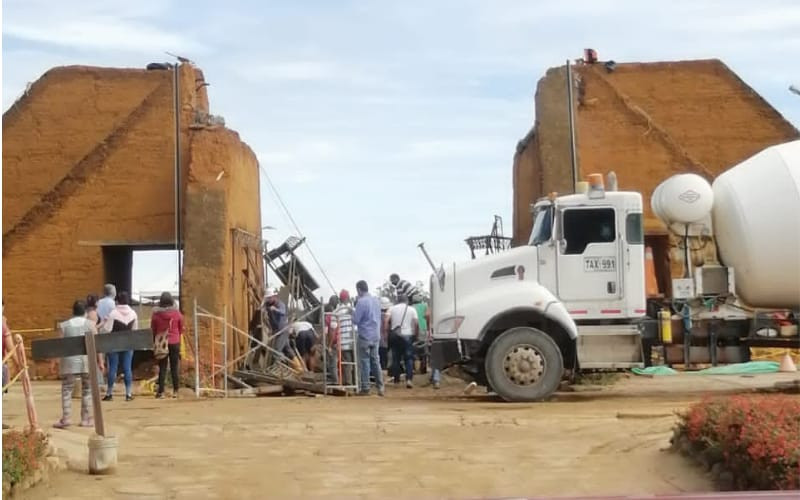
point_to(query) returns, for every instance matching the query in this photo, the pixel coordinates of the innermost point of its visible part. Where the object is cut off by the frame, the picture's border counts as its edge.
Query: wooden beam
(261, 390)
(138, 340)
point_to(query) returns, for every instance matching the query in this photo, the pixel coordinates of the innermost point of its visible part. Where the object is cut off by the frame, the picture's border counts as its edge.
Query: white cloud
(352, 106)
(94, 25)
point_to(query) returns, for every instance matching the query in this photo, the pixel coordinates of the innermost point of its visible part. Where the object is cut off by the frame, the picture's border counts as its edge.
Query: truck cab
(520, 320)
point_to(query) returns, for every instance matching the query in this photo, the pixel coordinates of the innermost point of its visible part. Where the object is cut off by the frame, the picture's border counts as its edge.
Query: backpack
(161, 343)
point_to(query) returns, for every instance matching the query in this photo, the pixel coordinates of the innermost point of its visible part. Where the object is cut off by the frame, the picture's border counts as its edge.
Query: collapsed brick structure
(89, 177)
(646, 122)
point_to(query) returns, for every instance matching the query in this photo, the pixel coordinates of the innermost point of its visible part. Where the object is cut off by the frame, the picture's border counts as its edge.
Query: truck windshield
(542, 225)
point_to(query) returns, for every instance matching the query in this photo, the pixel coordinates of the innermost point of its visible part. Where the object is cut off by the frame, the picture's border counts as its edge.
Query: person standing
(167, 318)
(383, 350)
(331, 335)
(343, 318)
(104, 308)
(367, 320)
(122, 319)
(403, 287)
(436, 374)
(73, 367)
(403, 327)
(421, 307)
(106, 304)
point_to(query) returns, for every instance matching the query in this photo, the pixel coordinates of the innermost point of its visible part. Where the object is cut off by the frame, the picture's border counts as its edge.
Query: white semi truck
(574, 298)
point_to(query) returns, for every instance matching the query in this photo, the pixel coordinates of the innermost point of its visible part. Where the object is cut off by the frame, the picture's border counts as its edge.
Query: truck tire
(524, 364)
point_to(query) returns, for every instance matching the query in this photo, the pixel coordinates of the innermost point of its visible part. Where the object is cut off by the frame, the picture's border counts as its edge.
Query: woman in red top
(167, 318)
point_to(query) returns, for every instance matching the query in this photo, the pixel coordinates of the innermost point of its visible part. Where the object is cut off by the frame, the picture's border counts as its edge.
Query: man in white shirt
(107, 303)
(403, 326)
(304, 339)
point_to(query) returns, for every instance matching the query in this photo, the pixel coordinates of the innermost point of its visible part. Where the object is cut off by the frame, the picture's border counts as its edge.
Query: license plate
(599, 264)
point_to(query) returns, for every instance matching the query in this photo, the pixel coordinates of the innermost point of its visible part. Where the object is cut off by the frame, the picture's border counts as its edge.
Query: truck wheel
(524, 364)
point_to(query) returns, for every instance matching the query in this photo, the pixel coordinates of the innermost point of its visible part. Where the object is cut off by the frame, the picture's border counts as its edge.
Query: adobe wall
(88, 159)
(542, 161)
(215, 206)
(645, 122)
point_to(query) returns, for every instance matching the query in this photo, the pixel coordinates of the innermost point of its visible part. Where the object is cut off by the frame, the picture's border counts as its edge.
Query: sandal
(87, 423)
(61, 424)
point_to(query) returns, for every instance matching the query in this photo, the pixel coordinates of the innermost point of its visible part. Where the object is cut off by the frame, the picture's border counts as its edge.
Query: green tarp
(751, 368)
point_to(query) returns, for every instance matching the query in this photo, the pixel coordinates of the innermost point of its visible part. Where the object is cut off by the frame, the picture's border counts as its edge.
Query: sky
(385, 124)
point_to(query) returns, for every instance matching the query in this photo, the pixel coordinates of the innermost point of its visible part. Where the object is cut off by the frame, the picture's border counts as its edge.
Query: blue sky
(384, 124)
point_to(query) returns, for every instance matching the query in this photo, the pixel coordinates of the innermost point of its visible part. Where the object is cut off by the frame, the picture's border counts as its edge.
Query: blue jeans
(369, 364)
(436, 376)
(113, 363)
(403, 350)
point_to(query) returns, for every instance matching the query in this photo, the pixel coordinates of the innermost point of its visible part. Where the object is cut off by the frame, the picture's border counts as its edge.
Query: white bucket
(102, 454)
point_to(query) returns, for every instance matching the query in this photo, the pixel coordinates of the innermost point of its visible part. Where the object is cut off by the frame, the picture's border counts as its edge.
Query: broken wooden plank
(240, 384)
(262, 390)
(313, 387)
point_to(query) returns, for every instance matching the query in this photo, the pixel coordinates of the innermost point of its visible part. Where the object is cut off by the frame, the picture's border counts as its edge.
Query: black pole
(571, 115)
(178, 228)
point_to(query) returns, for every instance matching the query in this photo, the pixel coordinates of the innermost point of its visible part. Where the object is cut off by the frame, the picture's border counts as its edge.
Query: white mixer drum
(683, 198)
(757, 226)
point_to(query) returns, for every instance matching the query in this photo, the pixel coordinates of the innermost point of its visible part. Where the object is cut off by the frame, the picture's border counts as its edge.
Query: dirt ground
(412, 444)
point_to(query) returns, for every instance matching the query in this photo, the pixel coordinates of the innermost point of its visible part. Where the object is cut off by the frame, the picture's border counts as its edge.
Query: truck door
(588, 255)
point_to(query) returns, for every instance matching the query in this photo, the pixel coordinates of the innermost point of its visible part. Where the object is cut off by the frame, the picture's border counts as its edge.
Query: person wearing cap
(383, 350)
(367, 319)
(343, 325)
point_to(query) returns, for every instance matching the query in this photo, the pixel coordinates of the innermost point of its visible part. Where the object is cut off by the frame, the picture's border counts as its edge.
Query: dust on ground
(413, 444)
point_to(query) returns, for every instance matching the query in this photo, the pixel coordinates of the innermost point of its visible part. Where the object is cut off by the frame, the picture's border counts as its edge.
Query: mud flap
(444, 353)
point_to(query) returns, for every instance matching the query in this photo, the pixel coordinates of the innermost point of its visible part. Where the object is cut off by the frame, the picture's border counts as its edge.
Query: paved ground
(411, 444)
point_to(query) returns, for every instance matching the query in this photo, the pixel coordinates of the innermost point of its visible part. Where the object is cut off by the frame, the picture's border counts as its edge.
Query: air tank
(756, 221)
(682, 199)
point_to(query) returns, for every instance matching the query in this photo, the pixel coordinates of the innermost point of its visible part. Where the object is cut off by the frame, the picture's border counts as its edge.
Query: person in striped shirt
(343, 321)
(403, 287)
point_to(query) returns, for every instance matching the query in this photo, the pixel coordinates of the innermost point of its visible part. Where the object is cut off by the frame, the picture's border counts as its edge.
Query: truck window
(585, 226)
(634, 230)
(542, 226)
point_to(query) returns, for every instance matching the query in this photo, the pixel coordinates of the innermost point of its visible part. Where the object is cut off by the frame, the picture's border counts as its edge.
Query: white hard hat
(271, 292)
(385, 303)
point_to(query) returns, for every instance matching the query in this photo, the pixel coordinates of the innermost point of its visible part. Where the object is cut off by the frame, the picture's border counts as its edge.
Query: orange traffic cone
(650, 282)
(787, 364)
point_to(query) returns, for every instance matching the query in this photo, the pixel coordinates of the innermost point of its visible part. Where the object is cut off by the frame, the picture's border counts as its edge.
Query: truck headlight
(449, 326)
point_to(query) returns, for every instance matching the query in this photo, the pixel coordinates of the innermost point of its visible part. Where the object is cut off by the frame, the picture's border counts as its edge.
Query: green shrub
(22, 454)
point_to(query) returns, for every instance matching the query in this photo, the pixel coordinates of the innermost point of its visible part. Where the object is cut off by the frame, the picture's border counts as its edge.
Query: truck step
(586, 330)
(610, 365)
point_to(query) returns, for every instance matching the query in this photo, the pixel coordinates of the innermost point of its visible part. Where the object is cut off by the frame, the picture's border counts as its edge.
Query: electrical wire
(294, 224)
